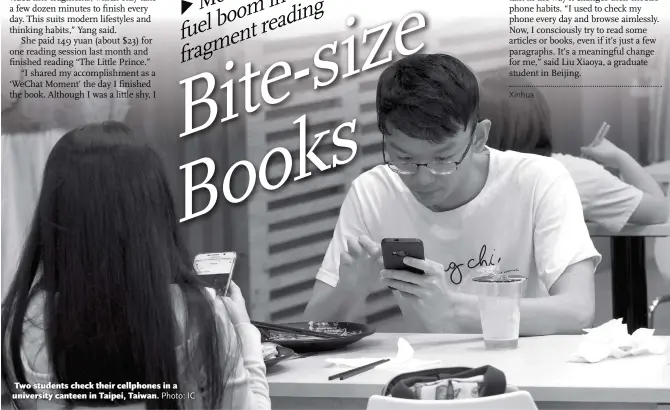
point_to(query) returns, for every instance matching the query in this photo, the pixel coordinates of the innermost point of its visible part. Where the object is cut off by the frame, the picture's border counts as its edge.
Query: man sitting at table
(471, 206)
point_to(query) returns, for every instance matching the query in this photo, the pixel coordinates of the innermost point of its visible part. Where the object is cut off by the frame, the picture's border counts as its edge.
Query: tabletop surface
(660, 230)
(539, 366)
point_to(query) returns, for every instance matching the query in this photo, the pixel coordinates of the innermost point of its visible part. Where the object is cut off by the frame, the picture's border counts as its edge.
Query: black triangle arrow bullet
(185, 5)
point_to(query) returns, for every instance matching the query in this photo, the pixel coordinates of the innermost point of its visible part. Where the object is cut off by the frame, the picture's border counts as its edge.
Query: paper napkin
(612, 340)
(403, 361)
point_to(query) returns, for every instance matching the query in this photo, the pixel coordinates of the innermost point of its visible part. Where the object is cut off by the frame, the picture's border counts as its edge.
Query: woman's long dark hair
(517, 124)
(104, 247)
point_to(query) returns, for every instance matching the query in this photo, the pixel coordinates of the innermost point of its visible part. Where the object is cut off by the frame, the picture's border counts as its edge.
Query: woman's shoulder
(34, 354)
(35, 312)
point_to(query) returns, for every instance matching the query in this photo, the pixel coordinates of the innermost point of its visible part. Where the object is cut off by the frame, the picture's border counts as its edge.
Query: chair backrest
(520, 400)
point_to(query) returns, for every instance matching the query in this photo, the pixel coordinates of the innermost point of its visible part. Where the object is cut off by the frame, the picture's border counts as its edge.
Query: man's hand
(360, 266)
(428, 294)
(605, 153)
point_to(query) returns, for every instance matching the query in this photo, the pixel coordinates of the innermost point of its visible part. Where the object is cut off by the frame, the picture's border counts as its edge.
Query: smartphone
(216, 270)
(395, 249)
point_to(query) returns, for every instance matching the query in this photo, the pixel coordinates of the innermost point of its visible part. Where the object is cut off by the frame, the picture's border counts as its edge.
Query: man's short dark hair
(427, 96)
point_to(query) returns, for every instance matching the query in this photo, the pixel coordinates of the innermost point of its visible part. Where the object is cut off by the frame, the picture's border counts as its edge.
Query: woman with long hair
(30, 129)
(105, 292)
(524, 125)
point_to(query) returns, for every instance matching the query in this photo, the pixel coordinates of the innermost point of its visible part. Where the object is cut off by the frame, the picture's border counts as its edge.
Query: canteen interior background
(281, 236)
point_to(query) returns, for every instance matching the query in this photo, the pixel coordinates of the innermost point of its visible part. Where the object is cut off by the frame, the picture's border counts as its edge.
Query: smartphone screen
(216, 270)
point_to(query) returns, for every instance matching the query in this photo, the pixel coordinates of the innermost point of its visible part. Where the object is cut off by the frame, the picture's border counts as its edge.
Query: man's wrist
(352, 295)
(349, 295)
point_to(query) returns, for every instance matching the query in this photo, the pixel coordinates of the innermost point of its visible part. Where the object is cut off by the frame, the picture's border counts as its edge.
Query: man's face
(432, 190)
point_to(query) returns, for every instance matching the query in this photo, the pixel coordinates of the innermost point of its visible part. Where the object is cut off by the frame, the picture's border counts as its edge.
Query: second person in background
(524, 125)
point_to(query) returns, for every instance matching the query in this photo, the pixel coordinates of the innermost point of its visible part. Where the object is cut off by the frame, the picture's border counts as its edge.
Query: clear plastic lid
(492, 274)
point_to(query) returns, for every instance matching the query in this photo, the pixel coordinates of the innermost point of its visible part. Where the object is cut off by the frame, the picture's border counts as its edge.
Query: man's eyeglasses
(436, 168)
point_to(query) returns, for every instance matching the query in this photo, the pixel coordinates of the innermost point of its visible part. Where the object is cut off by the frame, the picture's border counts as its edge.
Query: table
(539, 366)
(629, 270)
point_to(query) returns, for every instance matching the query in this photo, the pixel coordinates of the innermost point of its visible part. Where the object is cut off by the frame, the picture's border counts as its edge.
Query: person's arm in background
(653, 206)
(350, 268)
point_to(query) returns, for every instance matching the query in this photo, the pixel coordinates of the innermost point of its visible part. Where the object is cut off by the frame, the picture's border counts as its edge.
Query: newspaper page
(351, 168)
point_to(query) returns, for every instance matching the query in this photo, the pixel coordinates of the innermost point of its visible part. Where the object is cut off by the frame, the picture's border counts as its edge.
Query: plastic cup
(499, 298)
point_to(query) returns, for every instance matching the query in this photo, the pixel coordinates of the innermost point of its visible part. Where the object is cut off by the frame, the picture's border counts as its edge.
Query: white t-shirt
(606, 200)
(527, 219)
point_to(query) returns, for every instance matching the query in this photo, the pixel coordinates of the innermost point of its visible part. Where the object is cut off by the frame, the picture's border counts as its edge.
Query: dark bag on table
(447, 384)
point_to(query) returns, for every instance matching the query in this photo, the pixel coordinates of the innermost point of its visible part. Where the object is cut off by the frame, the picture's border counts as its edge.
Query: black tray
(322, 345)
(283, 354)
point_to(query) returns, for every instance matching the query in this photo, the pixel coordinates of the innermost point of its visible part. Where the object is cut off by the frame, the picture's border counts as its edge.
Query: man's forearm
(539, 316)
(554, 315)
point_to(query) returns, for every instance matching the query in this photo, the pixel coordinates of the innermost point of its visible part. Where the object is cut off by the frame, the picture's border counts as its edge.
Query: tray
(300, 344)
